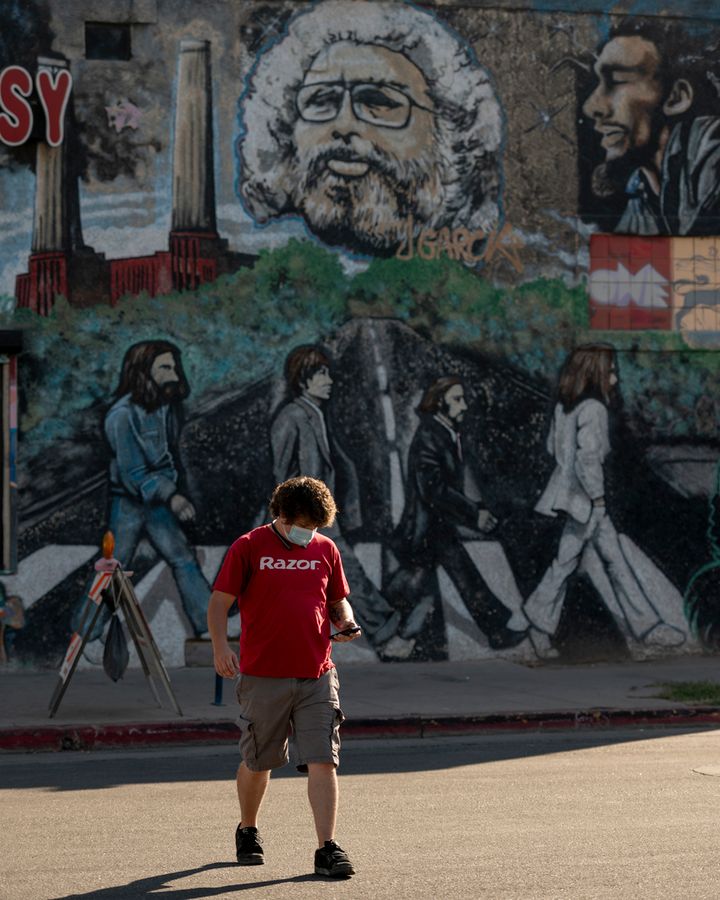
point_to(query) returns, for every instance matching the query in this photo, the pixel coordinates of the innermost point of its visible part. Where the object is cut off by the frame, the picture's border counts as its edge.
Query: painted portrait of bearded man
(363, 117)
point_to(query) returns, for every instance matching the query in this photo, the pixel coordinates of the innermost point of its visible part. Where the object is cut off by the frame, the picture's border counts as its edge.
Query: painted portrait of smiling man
(363, 115)
(648, 111)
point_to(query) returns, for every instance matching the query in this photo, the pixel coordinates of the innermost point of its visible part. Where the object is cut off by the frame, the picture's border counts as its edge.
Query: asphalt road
(597, 814)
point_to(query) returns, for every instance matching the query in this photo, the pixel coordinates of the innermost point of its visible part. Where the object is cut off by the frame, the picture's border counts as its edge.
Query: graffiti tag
(460, 244)
(16, 114)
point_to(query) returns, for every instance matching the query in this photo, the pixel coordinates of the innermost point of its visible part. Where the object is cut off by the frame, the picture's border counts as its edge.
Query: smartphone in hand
(353, 629)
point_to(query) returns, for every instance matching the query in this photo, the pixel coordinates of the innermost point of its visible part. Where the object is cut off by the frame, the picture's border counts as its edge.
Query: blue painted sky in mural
(118, 224)
(16, 214)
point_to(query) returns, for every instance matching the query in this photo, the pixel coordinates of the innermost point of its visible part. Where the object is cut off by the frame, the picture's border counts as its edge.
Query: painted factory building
(62, 265)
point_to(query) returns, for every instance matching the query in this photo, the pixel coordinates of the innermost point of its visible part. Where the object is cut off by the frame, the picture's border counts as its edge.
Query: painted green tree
(238, 330)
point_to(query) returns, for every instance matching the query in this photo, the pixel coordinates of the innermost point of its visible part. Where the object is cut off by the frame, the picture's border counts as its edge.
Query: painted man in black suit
(303, 443)
(437, 507)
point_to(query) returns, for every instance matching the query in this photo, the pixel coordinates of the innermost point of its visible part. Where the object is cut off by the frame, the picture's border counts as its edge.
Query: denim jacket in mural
(142, 466)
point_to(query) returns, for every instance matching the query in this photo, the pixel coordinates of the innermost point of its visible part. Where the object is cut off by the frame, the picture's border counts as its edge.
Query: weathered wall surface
(362, 241)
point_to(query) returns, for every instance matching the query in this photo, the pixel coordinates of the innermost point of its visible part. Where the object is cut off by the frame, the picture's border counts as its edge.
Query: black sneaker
(247, 845)
(333, 861)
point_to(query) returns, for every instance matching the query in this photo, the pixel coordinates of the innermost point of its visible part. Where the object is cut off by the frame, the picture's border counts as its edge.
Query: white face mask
(300, 536)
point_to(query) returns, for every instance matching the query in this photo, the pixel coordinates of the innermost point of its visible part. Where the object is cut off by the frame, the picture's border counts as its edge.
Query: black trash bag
(116, 656)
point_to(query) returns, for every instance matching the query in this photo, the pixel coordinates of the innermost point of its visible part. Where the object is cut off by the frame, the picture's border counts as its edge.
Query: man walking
(304, 443)
(290, 586)
(143, 429)
(436, 507)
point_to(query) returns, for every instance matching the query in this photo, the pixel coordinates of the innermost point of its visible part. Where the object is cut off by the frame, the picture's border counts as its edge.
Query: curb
(193, 731)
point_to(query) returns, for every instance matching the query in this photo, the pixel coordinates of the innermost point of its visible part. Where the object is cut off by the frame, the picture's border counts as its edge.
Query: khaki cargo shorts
(272, 709)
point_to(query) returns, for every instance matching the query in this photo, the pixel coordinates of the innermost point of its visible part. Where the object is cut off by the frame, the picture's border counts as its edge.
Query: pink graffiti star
(123, 114)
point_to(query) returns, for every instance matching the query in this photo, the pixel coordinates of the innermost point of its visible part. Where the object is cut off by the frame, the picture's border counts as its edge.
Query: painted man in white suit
(579, 442)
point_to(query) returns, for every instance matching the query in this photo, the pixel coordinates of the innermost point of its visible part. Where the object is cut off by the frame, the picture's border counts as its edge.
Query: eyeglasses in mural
(362, 115)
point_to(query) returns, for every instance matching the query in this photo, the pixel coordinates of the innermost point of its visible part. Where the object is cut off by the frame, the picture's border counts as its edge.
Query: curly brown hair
(304, 498)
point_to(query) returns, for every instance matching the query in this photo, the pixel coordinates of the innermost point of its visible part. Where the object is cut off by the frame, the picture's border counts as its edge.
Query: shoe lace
(249, 837)
(333, 849)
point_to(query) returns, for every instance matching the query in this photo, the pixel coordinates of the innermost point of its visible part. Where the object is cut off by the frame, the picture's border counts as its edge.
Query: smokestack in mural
(60, 263)
(198, 254)
(48, 266)
(193, 179)
(50, 231)
(56, 223)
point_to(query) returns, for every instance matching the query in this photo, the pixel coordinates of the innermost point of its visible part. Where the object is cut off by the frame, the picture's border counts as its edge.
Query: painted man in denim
(142, 428)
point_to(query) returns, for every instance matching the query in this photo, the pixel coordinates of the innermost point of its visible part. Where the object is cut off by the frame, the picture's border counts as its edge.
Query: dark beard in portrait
(169, 393)
(610, 178)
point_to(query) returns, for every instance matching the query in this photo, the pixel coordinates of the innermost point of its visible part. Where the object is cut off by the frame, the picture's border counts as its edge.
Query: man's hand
(342, 617)
(486, 521)
(225, 660)
(342, 638)
(182, 508)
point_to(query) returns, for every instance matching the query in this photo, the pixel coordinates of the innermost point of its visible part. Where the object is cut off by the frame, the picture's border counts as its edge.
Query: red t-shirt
(283, 591)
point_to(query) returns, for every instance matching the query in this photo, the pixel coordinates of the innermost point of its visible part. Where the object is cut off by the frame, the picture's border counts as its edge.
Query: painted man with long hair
(579, 442)
(429, 535)
(143, 428)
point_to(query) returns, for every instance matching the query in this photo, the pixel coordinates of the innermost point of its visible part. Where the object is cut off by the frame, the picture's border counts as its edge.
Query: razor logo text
(269, 562)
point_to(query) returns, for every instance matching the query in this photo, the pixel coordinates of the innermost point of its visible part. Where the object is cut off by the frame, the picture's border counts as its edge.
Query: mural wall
(459, 262)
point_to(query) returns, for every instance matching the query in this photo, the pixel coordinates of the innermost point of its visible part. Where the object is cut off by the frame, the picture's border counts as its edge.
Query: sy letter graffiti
(16, 117)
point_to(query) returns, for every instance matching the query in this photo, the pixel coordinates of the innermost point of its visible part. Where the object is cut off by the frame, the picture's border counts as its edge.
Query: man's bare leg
(323, 796)
(251, 787)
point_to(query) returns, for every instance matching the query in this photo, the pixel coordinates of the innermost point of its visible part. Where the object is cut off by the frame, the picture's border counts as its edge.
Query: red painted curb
(92, 737)
(95, 737)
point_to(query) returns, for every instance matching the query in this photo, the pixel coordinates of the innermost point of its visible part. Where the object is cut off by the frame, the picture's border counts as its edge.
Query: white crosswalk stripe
(42, 570)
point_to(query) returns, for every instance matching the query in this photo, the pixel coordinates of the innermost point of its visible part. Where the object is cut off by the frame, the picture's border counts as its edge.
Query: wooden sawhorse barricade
(112, 586)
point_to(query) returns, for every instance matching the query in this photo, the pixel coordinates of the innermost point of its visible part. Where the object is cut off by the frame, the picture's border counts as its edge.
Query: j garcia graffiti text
(462, 244)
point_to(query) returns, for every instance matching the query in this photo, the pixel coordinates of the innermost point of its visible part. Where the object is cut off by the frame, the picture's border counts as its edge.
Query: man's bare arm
(225, 659)
(342, 617)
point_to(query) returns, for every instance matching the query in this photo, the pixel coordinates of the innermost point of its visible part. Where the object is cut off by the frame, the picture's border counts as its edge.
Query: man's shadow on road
(147, 887)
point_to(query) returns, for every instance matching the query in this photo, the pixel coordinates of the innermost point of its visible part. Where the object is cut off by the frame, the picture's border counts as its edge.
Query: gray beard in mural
(441, 165)
(370, 211)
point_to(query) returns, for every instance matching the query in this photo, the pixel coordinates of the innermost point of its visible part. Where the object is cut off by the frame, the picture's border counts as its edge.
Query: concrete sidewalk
(400, 699)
